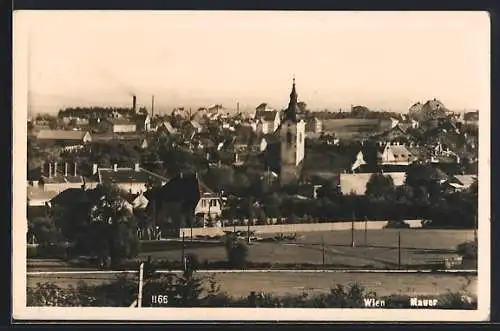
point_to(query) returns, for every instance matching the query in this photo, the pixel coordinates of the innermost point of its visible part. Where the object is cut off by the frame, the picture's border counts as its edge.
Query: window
(289, 137)
(300, 137)
(203, 203)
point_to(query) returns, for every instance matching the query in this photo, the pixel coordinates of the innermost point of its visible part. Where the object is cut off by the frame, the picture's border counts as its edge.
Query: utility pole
(475, 228)
(183, 253)
(323, 249)
(399, 249)
(366, 232)
(353, 244)
(141, 279)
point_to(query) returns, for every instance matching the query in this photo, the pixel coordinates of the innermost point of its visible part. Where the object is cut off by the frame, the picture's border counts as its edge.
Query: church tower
(292, 137)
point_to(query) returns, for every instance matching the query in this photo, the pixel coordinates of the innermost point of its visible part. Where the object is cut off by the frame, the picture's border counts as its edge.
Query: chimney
(94, 168)
(55, 169)
(66, 169)
(134, 103)
(137, 167)
(115, 167)
(75, 170)
(50, 170)
(152, 106)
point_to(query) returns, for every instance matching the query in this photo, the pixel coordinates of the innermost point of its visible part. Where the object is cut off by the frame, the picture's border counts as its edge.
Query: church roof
(291, 111)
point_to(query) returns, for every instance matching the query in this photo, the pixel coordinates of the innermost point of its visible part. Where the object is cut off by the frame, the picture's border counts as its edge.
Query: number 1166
(159, 299)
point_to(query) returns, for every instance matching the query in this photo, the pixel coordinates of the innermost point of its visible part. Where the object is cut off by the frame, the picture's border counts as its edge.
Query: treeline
(90, 112)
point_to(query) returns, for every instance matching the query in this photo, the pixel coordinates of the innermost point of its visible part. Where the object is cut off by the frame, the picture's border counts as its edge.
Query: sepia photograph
(197, 165)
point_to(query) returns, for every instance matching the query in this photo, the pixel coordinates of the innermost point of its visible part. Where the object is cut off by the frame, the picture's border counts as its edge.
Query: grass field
(418, 247)
(241, 284)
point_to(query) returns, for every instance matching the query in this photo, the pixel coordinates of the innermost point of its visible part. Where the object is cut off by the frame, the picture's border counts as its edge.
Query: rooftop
(356, 183)
(128, 175)
(266, 115)
(61, 135)
(60, 179)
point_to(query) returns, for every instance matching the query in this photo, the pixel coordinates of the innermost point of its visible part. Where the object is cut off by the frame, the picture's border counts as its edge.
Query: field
(241, 284)
(350, 127)
(418, 247)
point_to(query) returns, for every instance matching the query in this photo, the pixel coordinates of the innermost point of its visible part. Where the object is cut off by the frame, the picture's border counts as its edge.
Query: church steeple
(291, 112)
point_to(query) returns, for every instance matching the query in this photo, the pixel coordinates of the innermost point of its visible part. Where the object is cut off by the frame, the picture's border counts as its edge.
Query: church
(288, 142)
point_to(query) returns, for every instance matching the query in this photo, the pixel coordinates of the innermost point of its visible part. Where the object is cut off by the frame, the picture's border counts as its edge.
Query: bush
(468, 250)
(237, 253)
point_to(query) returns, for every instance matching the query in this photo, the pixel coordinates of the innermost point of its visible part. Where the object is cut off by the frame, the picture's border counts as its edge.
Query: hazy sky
(379, 59)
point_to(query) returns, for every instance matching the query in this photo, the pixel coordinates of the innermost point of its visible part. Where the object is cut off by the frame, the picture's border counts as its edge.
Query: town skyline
(385, 61)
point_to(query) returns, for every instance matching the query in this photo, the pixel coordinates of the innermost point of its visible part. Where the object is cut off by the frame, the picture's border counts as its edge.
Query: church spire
(291, 112)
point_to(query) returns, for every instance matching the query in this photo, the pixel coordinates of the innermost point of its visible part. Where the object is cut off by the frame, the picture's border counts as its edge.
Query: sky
(383, 60)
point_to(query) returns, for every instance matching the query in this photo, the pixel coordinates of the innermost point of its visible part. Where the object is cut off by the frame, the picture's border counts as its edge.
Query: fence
(291, 228)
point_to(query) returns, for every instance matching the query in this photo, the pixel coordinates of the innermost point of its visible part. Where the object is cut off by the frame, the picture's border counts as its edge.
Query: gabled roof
(37, 193)
(61, 135)
(127, 175)
(356, 183)
(266, 115)
(62, 179)
(466, 180)
(120, 121)
(168, 127)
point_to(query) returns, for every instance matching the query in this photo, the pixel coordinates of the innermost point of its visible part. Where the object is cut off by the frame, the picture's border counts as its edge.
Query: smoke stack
(237, 107)
(74, 170)
(50, 170)
(152, 106)
(134, 103)
(55, 169)
(66, 169)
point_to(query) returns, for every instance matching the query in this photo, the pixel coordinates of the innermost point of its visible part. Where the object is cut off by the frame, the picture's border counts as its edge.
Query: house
(465, 181)
(471, 118)
(314, 125)
(195, 126)
(209, 206)
(396, 154)
(137, 200)
(166, 128)
(133, 180)
(143, 122)
(64, 138)
(267, 121)
(118, 125)
(356, 183)
(57, 177)
(37, 196)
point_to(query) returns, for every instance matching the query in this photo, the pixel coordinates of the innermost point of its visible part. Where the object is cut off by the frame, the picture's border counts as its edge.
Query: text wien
(374, 303)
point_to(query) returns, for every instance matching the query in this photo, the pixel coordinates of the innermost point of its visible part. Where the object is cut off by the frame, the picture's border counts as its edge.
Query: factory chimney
(152, 106)
(134, 104)
(238, 107)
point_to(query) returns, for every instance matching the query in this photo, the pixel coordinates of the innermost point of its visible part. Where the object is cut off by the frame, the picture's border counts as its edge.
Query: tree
(113, 227)
(44, 230)
(302, 106)
(380, 186)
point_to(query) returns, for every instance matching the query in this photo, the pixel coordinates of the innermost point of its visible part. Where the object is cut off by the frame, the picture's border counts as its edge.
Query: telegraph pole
(353, 244)
(366, 232)
(399, 249)
(183, 253)
(141, 280)
(323, 250)
(475, 228)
